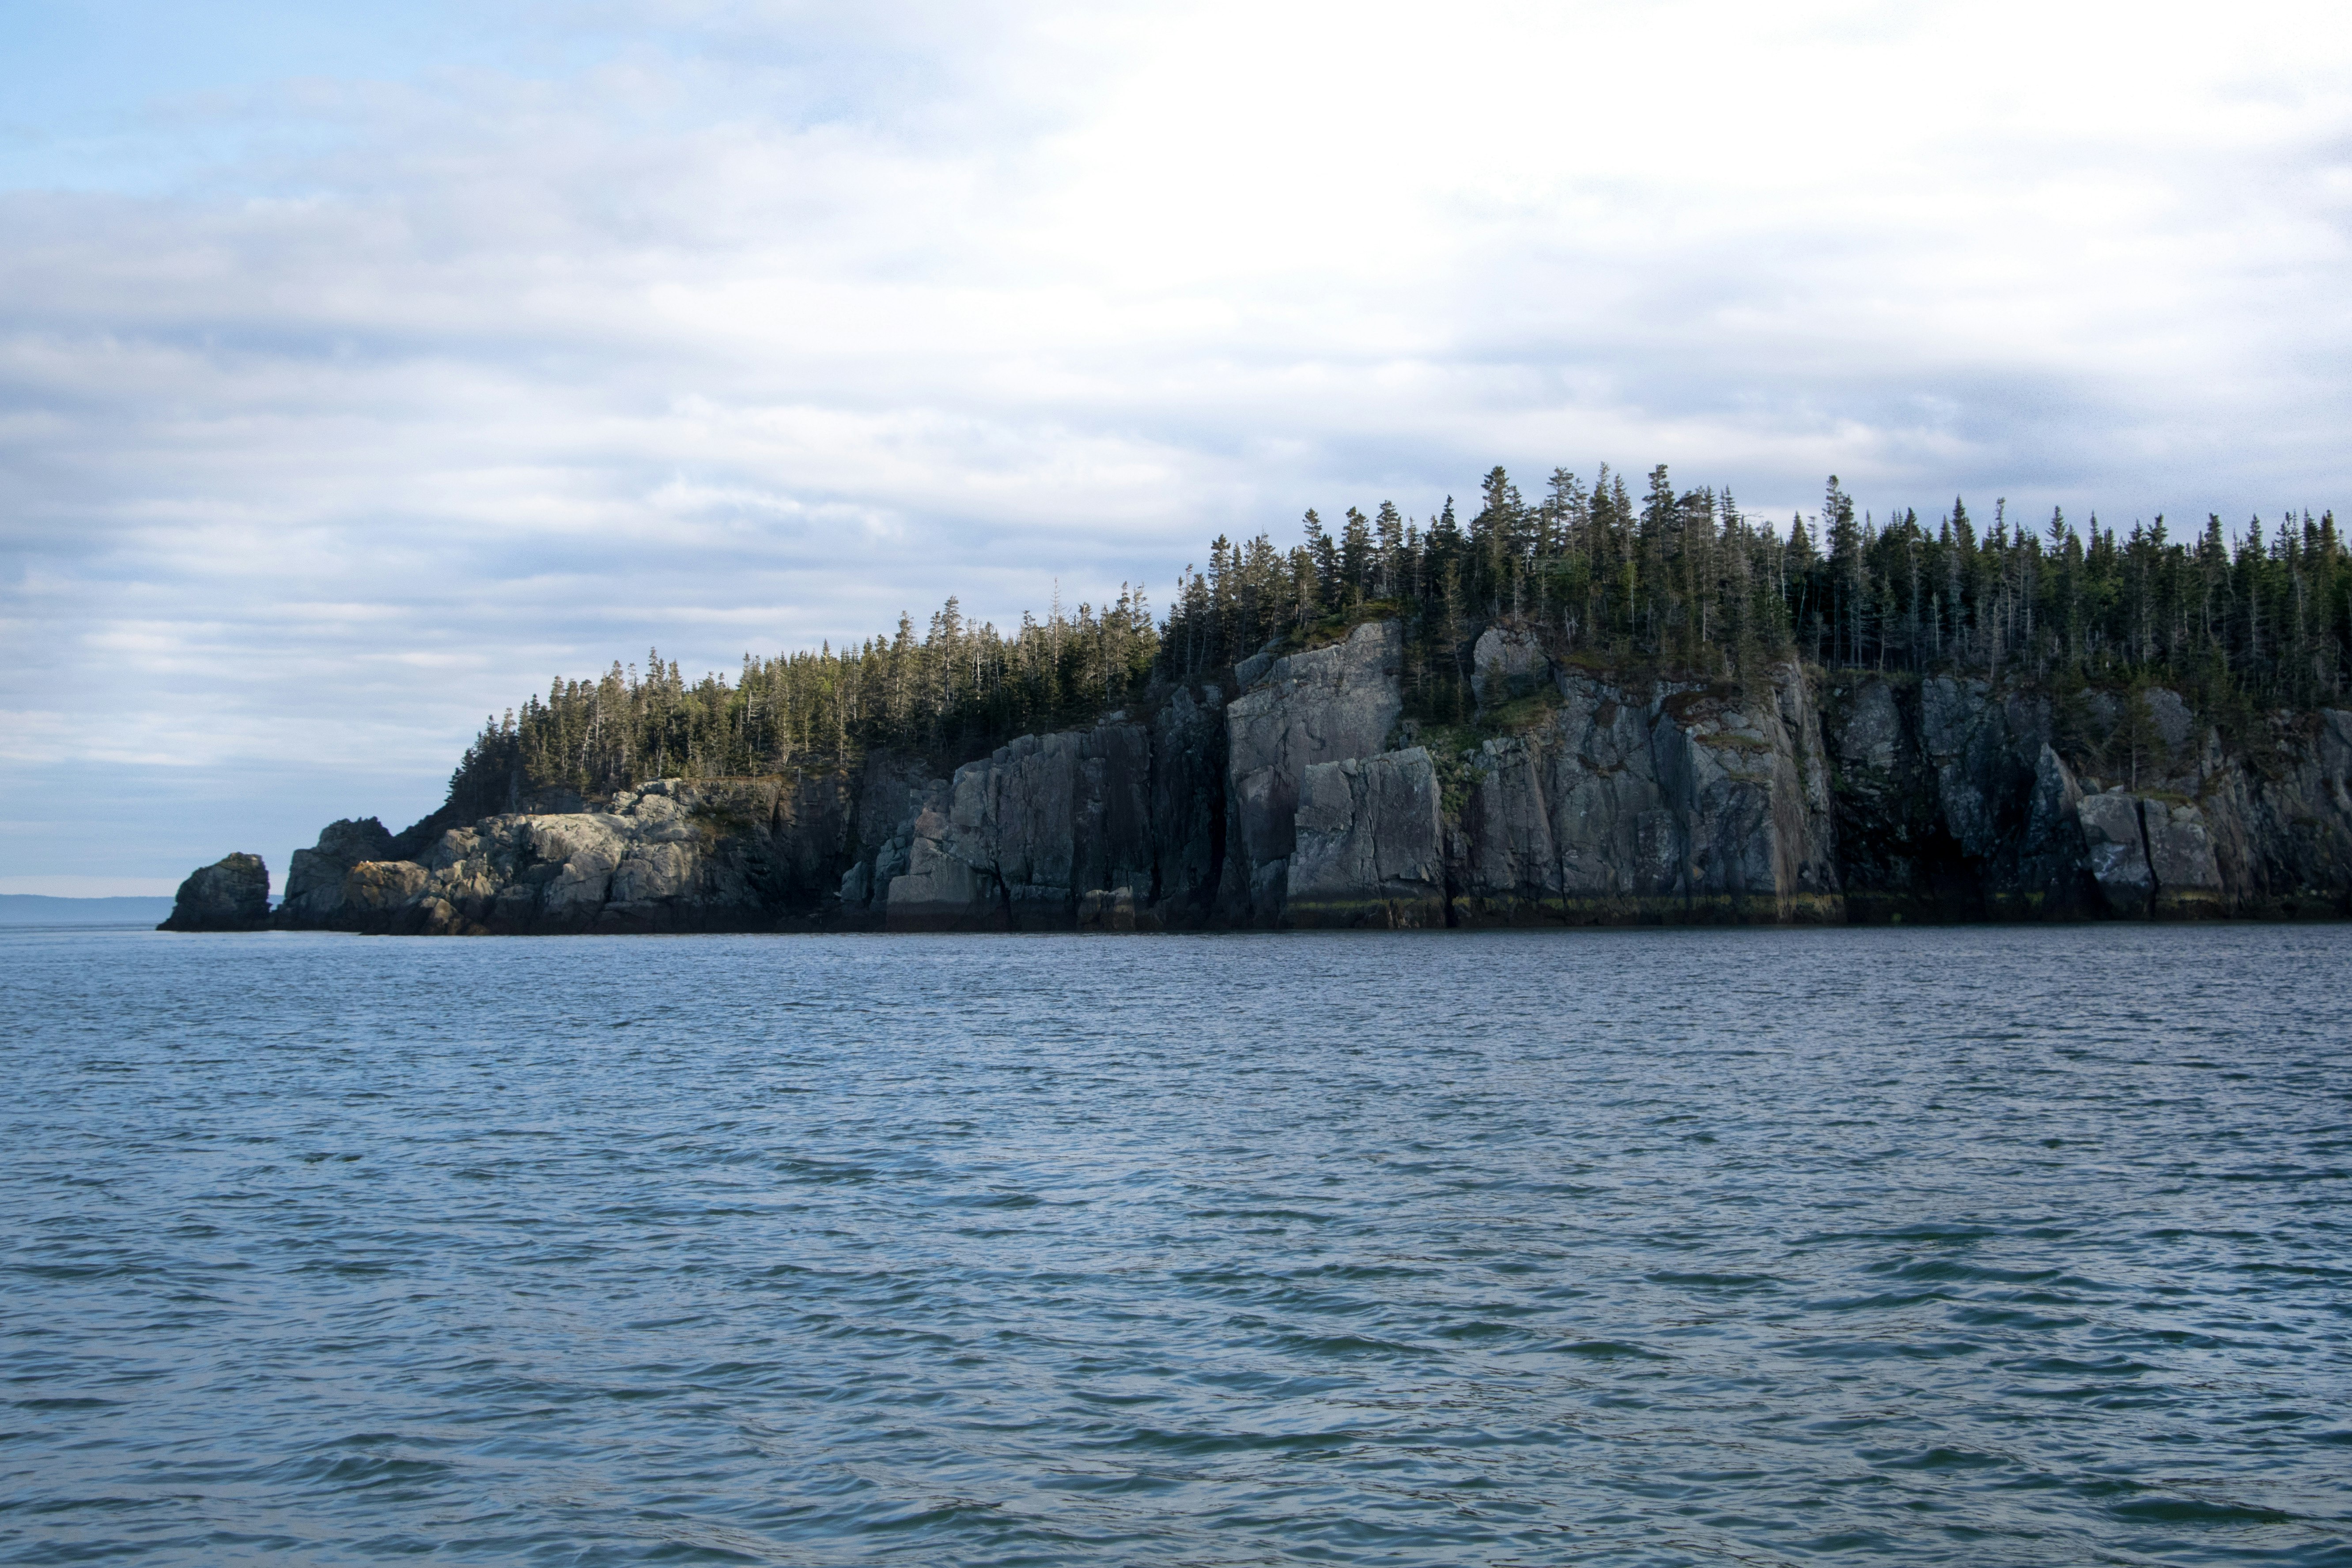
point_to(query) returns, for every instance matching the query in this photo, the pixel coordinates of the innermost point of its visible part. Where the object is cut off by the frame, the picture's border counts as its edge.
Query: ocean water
(1978, 1245)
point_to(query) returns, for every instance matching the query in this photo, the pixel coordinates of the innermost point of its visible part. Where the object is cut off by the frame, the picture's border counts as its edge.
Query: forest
(1671, 581)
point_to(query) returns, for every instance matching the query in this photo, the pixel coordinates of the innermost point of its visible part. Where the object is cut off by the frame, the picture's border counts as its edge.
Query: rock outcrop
(231, 894)
(1331, 704)
(1653, 802)
(2119, 855)
(1954, 802)
(718, 855)
(1507, 662)
(314, 882)
(1027, 833)
(1579, 795)
(1369, 846)
(1117, 827)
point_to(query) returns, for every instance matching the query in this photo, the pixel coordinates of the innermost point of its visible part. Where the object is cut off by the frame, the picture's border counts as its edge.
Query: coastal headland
(1296, 791)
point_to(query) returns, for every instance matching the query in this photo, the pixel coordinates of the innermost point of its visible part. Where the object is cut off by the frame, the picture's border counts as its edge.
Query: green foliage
(958, 689)
(1679, 582)
(1521, 714)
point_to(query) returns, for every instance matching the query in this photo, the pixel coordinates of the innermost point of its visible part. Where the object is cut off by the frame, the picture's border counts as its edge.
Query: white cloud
(740, 326)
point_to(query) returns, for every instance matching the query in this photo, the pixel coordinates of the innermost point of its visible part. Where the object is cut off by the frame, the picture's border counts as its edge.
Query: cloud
(345, 401)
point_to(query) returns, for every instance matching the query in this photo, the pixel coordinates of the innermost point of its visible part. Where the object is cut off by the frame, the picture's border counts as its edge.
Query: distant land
(1595, 709)
(41, 910)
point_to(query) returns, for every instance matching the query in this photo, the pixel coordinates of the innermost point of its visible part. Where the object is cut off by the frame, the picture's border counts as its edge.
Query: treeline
(1679, 581)
(1684, 581)
(958, 687)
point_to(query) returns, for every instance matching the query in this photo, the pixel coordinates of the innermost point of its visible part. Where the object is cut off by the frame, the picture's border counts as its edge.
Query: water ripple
(1972, 1247)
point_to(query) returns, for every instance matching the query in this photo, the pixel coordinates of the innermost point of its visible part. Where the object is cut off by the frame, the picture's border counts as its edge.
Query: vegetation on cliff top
(1679, 580)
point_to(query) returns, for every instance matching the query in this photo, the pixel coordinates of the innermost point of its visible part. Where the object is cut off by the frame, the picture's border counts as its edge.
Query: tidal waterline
(1986, 1245)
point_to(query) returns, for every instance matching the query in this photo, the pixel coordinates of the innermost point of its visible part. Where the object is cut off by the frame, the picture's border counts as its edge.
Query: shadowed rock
(314, 882)
(2119, 854)
(231, 894)
(1506, 663)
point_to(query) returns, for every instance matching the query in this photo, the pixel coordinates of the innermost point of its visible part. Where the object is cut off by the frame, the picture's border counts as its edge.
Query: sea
(1989, 1244)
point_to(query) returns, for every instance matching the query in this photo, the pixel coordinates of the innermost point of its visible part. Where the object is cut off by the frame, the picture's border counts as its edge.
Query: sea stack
(231, 894)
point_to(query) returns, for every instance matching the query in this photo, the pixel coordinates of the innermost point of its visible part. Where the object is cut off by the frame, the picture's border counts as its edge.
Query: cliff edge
(1295, 792)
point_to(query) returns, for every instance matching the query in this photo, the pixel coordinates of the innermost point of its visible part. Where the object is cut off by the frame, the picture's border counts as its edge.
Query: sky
(363, 368)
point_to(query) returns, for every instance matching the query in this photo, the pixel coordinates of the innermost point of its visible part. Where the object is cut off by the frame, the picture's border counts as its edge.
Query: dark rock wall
(1585, 797)
(1655, 801)
(231, 894)
(1953, 803)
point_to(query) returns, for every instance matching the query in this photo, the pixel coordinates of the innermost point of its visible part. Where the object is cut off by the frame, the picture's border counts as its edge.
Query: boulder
(230, 894)
(1506, 663)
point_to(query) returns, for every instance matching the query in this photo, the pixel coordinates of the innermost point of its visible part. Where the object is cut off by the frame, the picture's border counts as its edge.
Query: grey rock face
(1328, 705)
(1030, 832)
(1897, 857)
(1188, 807)
(1615, 799)
(1964, 809)
(1953, 805)
(231, 894)
(2119, 855)
(1118, 827)
(1506, 663)
(2180, 857)
(1870, 740)
(941, 890)
(2282, 836)
(314, 882)
(1249, 671)
(1370, 843)
(2175, 725)
(1663, 802)
(892, 796)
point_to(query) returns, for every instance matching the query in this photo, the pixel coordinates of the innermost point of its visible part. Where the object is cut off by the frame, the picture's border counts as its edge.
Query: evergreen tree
(1683, 583)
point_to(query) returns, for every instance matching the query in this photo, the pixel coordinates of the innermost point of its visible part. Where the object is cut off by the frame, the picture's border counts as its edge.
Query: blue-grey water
(1990, 1246)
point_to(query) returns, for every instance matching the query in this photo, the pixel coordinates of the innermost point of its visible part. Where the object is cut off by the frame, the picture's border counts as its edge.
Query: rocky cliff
(1656, 800)
(231, 894)
(1955, 802)
(723, 854)
(1298, 794)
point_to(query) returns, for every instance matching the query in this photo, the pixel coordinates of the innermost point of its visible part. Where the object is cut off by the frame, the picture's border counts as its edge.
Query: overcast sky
(360, 373)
